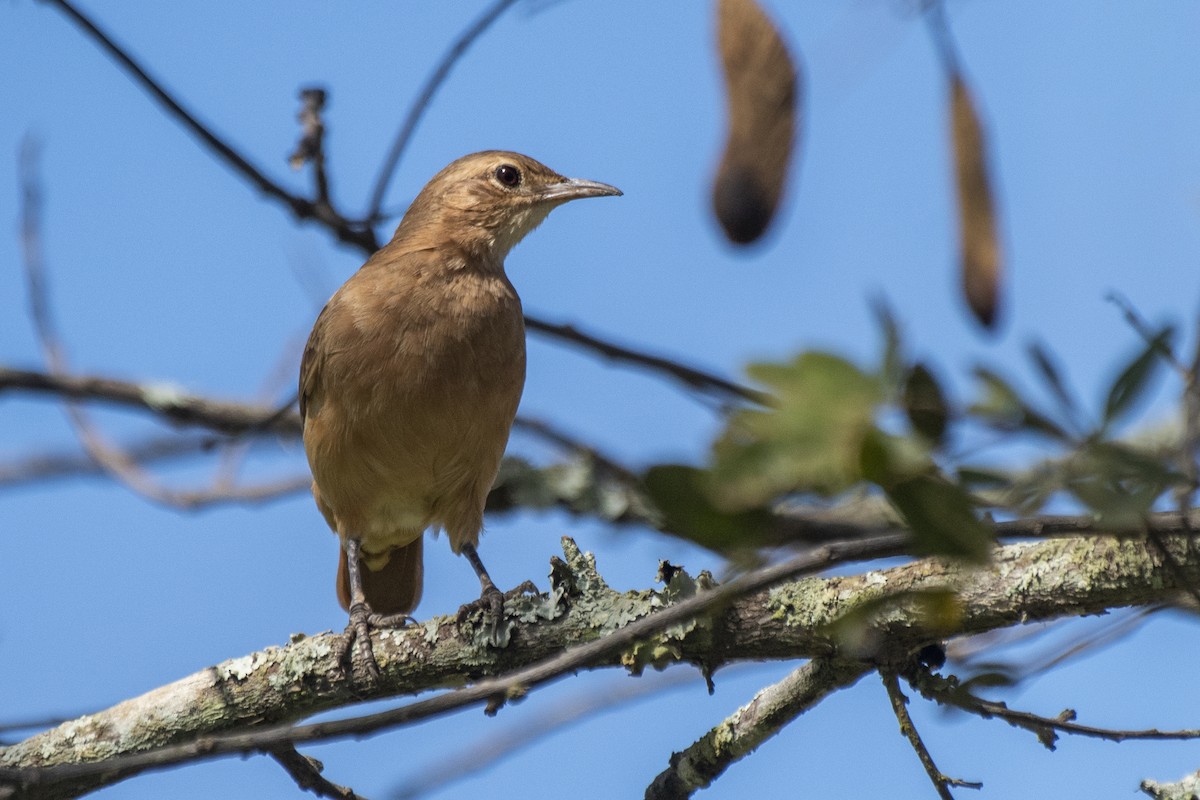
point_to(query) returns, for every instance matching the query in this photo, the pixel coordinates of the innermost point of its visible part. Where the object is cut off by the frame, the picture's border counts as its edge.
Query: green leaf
(925, 404)
(1134, 380)
(983, 478)
(942, 518)
(1053, 377)
(680, 493)
(1118, 483)
(809, 441)
(940, 514)
(1001, 407)
(893, 346)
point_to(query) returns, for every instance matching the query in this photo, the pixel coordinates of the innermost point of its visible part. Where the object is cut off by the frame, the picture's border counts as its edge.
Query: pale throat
(515, 227)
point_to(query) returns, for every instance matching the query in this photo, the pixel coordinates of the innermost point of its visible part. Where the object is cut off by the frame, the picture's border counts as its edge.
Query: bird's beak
(576, 188)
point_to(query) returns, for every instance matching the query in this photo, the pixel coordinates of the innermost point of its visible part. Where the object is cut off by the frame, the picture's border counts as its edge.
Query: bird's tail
(395, 588)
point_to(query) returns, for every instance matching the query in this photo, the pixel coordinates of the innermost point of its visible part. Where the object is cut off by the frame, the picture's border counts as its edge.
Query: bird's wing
(311, 362)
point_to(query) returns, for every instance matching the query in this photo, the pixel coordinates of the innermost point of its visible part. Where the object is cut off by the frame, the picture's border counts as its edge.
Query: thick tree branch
(1028, 581)
(771, 709)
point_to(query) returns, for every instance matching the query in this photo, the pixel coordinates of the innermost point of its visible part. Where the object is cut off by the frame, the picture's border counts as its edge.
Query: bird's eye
(508, 175)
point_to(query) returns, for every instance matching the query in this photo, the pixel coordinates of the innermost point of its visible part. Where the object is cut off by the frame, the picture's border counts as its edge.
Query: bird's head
(487, 202)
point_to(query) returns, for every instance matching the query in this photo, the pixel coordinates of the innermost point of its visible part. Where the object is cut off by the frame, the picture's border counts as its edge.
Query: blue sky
(164, 266)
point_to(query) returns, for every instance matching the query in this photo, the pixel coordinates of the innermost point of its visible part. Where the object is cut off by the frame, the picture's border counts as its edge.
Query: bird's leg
(362, 658)
(489, 597)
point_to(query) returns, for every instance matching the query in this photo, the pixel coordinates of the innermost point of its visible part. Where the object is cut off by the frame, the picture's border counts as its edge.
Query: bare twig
(547, 432)
(765, 715)
(941, 781)
(52, 465)
(948, 691)
(111, 459)
(421, 104)
(358, 234)
(306, 772)
(1065, 722)
(311, 147)
(164, 400)
(691, 377)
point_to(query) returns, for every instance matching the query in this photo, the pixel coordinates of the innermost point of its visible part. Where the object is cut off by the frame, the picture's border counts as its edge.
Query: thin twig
(1065, 722)
(306, 772)
(941, 781)
(548, 432)
(311, 147)
(115, 462)
(691, 377)
(358, 234)
(421, 104)
(164, 400)
(491, 691)
(64, 464)
(948, 691)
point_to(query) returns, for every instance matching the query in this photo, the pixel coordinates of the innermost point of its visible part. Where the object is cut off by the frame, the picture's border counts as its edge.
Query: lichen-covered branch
(1026, 581)
(770, 710)
(1187, 788)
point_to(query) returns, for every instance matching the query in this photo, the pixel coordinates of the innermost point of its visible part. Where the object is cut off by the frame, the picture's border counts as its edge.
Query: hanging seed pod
(761, 87)
(980, 247)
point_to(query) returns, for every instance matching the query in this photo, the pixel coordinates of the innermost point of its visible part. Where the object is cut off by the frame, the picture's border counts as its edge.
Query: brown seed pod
(761, 87)
(980, 247)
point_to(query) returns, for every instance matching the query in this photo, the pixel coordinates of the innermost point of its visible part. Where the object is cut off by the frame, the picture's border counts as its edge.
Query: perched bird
(411, 377)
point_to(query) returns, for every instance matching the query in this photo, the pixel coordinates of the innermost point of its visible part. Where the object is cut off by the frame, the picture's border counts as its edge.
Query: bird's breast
(414, 404)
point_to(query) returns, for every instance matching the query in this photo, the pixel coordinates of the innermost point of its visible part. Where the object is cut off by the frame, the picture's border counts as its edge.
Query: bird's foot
(492, 600)
(390, 620)
(364, 670)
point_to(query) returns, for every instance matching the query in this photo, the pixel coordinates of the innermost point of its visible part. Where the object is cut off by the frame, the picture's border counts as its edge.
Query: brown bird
(411, 378)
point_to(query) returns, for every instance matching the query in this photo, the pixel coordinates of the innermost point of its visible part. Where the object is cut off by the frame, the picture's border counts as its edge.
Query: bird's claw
(491, 600)
(364, 670)
(390, 620)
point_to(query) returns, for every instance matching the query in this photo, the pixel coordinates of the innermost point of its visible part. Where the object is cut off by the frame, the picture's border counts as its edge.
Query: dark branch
(311, 147)
(691, 377)
(941, 781)
(362, 236)
(306, 772)
(163, 400)
(948, 691)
